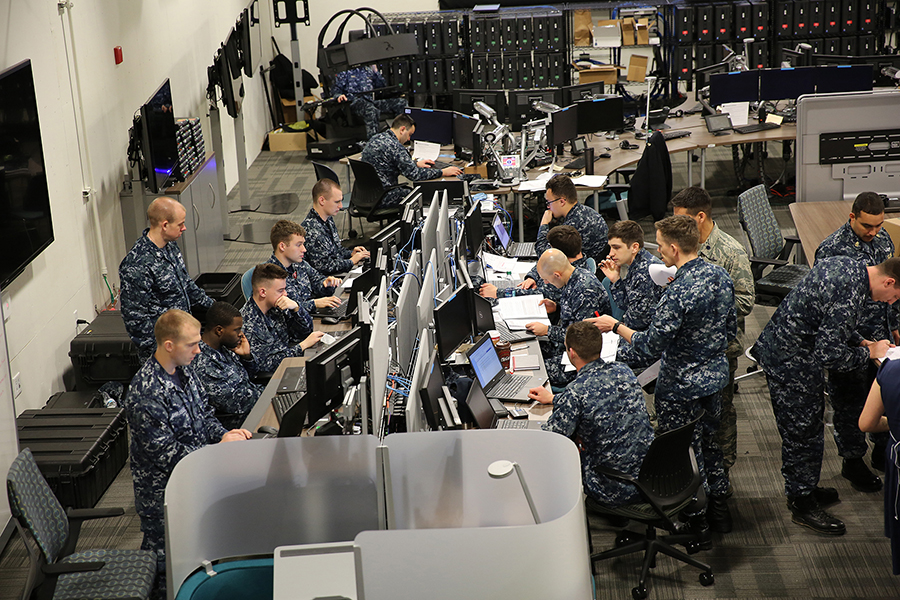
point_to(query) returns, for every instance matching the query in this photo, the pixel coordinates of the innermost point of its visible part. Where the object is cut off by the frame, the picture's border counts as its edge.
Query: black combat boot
(860, 477)
(718, 515)
(805, 511)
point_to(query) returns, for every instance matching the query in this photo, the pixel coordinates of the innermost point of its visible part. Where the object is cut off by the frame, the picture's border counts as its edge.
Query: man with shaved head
(154, 277)
(581, 296)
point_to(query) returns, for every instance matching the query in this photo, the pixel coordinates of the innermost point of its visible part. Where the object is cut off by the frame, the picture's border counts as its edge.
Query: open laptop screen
(484, 360)
(501, 232)
(480, 407)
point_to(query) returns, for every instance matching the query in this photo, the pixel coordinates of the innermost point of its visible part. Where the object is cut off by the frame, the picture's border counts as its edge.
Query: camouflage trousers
(726, 436)
(370, 111)
(155, 539)
(848, 391)
(673, 413)
(797, 392)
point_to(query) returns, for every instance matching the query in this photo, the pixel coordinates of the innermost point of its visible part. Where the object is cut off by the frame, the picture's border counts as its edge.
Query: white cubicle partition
(247, 498)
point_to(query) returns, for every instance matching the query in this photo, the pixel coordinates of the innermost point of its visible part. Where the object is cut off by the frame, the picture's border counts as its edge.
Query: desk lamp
(501, 469)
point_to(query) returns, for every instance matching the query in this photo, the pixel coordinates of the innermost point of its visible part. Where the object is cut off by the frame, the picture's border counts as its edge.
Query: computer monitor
(844, 78)
(443, 238)
(601, 114)
(585, 91)
(457, 189)
(405, 315)
(563, 126)
(474, 231)
(431, 393)
(521, 102)
(452, 324)
(429, 227)
(481, 313)
(737, 86)
(333, 370)
(425, 305)
(432, 125)
(464, 101)
(464, 136)
(786, 84)
(500, 230)
(379, 359)
(389, 240)
(365, 283)
(415, 417)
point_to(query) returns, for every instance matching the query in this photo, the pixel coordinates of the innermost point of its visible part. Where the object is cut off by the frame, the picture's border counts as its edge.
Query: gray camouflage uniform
(153, 281)
(275, 335)
(357, 84)
(814, 328)
(391, 159)
(324, 251)
(637, 295)
(590, 225)
(225, 378)
(848, 390)
(693, 322)
(604, 407)
(304, 284)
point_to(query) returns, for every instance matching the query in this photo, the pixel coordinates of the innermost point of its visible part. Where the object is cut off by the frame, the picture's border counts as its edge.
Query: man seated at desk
(305, 286)
(583, 411)
(386, 153)
(581, 296)
(226, 364)
(356, 86)
(276, 326)
(563, 206)
(325, 253)
(169, 418)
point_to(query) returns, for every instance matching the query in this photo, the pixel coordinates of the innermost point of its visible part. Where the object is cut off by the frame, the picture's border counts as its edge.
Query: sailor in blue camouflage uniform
(305, 286)
(813, 329)
(693, 322)
(635, 293)
(154, 277)
(357, 85)
(581, 296)
(324, 251)
(226, 364)
(169, 418)
(584, 409)
(387, 154)
(564, 208)
(564, 238)
(276, 326)
(863, 238)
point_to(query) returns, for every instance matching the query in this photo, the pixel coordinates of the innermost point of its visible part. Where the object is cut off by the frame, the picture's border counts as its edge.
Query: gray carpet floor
(766, 556)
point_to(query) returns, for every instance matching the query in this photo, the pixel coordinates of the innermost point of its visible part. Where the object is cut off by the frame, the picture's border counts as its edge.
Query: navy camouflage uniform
(551, 292)
(324, 251)
(693, 322)
(590, 225)
(581, 297)
(304, 284)
(275, 335)
(391, 159)
(636, 294)
(848, 390)
(584, 409)
(153, 281)
(357, 84)
(814, 328)
(169, 418)
(723, 250)
(225, 378)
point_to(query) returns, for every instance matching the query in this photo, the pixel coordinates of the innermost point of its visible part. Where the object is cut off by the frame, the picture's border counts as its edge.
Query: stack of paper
(425, 150)
(521, 310)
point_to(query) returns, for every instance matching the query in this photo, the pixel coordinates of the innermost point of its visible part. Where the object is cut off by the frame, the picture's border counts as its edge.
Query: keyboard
(503, 284)
(521, 249)
(579, 162)
(294, 380)
(512, 424)
(339, 311)
(674, 134)
(507, 335)
(440, 165)
(754, 127)
(509, 386)
(283, 403)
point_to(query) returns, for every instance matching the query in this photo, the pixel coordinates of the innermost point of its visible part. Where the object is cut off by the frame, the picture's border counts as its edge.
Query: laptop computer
(486, 417)
(483, 321)
(510, 248)
(367, 281)
(719, 124)
(496, 382)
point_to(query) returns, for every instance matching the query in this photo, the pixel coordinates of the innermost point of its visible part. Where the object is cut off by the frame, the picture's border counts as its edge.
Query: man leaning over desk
(325, 253)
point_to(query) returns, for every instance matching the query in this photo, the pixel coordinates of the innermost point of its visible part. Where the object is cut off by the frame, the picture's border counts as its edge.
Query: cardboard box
(608, 74)
(280, 141)
(608, 33)
(642, 31)
(892, 226)
(637, 68)
(628, 32)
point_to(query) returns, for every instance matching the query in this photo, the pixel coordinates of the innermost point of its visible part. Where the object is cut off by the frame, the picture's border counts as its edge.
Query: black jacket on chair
(651, 185)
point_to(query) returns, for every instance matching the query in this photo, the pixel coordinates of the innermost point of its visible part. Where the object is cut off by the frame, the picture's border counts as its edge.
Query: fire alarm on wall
(117, 51)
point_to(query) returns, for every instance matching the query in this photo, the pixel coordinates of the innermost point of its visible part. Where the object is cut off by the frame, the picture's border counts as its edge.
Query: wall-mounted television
(159, 144)
(25, 224)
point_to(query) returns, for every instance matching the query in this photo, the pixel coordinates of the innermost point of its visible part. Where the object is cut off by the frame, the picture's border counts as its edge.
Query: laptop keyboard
(506, 335)
(283, 403)
(297, 381)
(512, 424)
(509, 386)
(523, 249)
(503, 284)
(339, 311)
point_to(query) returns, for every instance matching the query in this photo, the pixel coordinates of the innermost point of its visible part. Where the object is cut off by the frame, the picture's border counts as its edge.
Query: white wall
(159, 38)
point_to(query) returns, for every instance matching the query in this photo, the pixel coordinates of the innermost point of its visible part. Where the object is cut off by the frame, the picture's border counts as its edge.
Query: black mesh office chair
(368, 192)
(325, 172)
(669, 482)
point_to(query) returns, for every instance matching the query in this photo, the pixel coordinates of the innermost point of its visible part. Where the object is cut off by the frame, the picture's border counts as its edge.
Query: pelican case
(103, 352)
(80, 451)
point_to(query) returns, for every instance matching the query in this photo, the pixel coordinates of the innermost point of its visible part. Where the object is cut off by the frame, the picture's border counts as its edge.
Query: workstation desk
(815, 221)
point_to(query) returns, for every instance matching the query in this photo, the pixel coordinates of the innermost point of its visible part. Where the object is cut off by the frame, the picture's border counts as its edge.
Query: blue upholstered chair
(50, 535)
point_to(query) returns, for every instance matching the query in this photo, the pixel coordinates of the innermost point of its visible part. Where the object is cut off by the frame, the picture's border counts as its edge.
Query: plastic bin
(103, 352)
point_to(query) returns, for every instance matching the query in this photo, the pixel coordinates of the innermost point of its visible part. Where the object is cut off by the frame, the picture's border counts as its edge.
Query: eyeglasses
(552, 200)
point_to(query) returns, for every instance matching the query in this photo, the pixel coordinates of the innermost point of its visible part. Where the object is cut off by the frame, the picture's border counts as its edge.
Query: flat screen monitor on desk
(601, 114)
(443, 238)
(452, 324)
(464, 134)
(432, 125)
(786, 84)
(474, 231)
(429, 227)
(464, 101)
(843, 78)
(415, 418)
(431, 394)
(563, 126)
(379, 359)
(585, 91)
(332, 371)
(737, 86)
(405, 313)
(425, 305)
(521, 110)
(389, 240)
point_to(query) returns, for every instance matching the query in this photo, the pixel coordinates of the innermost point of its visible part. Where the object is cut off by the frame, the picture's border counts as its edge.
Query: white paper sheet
(660, 274)
(520, 324)
(522, 307)
(738, 111)
(499, 263)
(532, 185)
(425, 150)
(594, 181)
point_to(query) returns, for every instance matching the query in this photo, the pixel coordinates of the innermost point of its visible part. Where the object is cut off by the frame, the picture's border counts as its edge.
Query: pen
(597, 313)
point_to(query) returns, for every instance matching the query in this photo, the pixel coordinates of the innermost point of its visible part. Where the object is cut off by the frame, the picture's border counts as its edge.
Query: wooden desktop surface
(815, 221)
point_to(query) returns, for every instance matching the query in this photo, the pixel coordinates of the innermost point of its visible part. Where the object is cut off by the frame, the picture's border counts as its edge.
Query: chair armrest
(262, 377)
(616, 474)
(789, 242)
(85, 514)
(388, 90)
(57, 569)
(773, 262)
(617, 189)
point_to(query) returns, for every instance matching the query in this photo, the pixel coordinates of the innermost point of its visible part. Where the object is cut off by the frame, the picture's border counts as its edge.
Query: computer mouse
(605, 155)
(331, 320)
(266, 430)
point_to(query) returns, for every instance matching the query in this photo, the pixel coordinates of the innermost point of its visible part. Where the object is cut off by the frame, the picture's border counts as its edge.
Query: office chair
(669, 482)
(367, 194)
(50, 535)
(325, 172)
(246, 285)
(769, 248)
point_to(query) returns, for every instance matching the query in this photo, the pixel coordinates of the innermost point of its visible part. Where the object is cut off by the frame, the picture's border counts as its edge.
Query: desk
(815, 221)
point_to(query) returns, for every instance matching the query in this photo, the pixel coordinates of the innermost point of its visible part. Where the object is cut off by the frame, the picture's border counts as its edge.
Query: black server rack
(723, 20)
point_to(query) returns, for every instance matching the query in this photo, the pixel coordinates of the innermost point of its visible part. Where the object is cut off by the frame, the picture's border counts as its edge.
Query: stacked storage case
(103, 352)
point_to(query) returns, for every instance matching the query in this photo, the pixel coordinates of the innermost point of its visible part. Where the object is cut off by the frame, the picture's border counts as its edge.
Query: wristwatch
(615, 328)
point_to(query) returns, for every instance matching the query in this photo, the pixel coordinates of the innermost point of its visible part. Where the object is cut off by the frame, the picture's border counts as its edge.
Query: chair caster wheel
(623, 539)
(352, 234)
(639, 593)
(735, 388)
(692, 547)
(707, 579)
